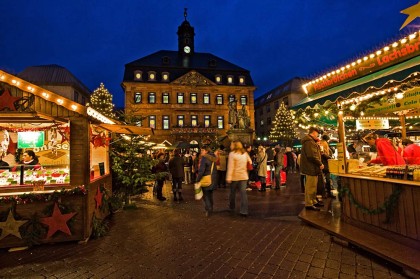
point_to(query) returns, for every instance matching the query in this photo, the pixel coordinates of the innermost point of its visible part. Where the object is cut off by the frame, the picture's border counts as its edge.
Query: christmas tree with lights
(101, 100)
(283, 130)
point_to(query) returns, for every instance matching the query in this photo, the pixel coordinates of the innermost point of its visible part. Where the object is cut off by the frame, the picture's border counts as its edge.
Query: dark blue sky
(274, 39)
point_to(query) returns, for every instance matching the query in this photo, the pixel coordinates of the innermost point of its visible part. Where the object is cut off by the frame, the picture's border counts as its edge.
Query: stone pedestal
(243, 135)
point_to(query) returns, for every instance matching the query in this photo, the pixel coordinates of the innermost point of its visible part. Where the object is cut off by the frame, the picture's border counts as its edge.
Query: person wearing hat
(311, 167)
(411, 152)
(387, 155)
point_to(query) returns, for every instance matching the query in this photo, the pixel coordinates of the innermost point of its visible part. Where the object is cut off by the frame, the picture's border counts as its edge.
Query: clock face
(187, 49)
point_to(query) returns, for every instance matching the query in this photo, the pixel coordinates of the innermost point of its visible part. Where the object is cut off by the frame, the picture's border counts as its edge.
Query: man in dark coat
(311, 166)
(176, 168)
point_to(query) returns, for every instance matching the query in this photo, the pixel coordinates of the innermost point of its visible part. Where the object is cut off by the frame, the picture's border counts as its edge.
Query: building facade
(290, 93)
(183, 95)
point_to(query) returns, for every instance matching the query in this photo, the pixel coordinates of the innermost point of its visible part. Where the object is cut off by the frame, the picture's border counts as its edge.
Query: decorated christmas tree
(101, 100)
(283, 130)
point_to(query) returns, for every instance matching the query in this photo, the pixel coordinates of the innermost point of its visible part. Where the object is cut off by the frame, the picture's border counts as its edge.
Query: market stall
(383, 200)
(55, 177)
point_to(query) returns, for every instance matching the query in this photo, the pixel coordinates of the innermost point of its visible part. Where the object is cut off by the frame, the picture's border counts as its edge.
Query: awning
(378, 79)
(126, 129)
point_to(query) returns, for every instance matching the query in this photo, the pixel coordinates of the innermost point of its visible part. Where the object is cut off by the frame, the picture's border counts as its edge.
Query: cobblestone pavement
(176, 240)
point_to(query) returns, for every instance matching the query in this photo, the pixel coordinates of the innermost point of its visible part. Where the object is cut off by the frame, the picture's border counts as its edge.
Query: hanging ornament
(98, 197)
(7, 101)
(5, 143)
(57, 221)
(11, 226)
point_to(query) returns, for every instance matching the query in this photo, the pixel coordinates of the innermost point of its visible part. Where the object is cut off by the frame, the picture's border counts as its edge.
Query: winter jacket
(262, 163)
(310, 160)
(411, 154)
(387, 154)
(237, 170)
(176, 167)
(160, 167)
(206, 166)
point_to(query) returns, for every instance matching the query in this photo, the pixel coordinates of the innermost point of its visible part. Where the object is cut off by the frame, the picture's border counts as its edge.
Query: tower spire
(185, 14)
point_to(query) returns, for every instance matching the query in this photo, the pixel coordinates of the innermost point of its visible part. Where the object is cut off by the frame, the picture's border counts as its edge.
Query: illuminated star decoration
(98, 198)
(412, 12)
(8, 101)
(11, 226)
(57, 222)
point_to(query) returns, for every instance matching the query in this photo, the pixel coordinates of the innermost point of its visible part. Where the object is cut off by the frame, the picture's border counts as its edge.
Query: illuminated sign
(386, 57)
(30, 139)
(372, 124)
(410, 100)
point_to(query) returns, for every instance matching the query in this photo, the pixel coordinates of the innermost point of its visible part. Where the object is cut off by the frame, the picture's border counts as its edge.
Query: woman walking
(237, 176)
(208, 167)
(262, 167)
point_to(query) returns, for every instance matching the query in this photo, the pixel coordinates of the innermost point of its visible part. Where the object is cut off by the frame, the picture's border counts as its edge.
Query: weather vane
(185, 14)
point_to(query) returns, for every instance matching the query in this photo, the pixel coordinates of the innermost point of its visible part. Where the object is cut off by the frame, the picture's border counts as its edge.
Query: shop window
(193, 98)
(165, 98)
(220, 122)
(180, 120)
(180, 98)
(137, 97)
(244, 100)
(138, 75)
(152, 121)
(194, 120)
(219, 99)
(152, 97)
(165, 122)
(206, 98)
(207, 121)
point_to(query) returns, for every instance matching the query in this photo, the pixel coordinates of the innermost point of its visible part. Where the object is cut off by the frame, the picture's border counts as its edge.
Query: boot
(175, 198)
(263, 187)
(180, 196)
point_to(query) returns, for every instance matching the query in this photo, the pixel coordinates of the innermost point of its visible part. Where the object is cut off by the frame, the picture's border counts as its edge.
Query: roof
(358, 86)
(52, 75)
(293, 85)
(206, 64)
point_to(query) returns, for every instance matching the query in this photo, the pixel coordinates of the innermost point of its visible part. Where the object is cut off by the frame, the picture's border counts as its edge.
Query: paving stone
(315, 272)
(302, 266)
(331, 273)
(318, 263)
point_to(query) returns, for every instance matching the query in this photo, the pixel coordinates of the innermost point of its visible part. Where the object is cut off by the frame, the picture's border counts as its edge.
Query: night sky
(275, 40)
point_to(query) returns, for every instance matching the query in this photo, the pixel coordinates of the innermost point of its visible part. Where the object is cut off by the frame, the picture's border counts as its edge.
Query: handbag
(198, 192)
(206, 179)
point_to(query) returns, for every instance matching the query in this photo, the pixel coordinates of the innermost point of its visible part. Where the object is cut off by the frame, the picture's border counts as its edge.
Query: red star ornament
(98, 197)
(57, 222)
(8, 101)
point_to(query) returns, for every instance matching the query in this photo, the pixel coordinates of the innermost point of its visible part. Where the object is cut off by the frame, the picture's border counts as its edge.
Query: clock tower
(185, 37)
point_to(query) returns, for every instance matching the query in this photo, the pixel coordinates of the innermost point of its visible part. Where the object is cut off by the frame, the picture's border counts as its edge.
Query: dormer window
(241, 80)
(230, 79)
(212, 63)
(165, 76)
(166, 60)
(152, 76)
(138, 75)
(218, 79)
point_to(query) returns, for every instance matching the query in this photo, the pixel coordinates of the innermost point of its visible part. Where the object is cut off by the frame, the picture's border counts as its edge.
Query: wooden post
(342, 137)
(403, 128)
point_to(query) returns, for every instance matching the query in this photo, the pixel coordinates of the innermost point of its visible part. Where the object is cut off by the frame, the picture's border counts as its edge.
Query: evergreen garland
(387, 207)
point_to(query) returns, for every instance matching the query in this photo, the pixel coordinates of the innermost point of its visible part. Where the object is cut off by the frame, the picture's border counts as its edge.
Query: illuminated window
(219, 99)
(207, 121)
(241, 80)
(152, 75)
(180, 120)
(138, 75)
(152, 98)
(180, 98)
(165, 76)
(206, 98)
(232, 98)
(193, 98)
(244, 100)
(218, 79)
(230, 79)
(194, 120)
(137, 97)
(220, 122)
(152, 121)
(165, 122)
(165, 98)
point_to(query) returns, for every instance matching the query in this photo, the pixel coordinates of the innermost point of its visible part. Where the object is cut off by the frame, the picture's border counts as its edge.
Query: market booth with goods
(379, 194)
(55, 182)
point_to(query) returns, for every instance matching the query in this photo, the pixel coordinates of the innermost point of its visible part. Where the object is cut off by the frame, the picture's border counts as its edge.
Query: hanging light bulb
(399, 95)
(353, 107)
